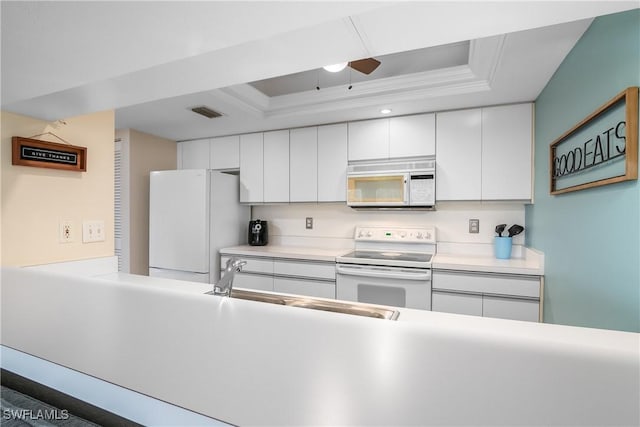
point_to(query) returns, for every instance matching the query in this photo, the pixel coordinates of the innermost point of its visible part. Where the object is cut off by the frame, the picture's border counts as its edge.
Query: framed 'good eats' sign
(602, 149)
(44, 154)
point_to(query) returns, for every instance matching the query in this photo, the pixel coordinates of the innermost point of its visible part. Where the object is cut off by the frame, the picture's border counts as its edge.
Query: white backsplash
(334, 223)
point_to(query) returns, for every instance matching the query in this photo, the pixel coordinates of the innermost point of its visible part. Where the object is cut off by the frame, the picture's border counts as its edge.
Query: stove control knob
(403, 234)
(427, 235)
(369, 234)
(360, 234)
(419, 235)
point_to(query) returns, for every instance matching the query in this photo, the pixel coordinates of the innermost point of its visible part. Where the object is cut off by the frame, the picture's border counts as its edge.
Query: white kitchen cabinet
(510, 308)
(412, 136)
(506, 296)
(459, 153)
(332, 163)
(368, 140)
(485, 153)
(251, 168)
(307, 287)
(276, 166)
(303, 165)
(257, 282)
(291, 276)
(302, 268)
(506, 152)
(458, 303)
(194, 154)
(225, 152)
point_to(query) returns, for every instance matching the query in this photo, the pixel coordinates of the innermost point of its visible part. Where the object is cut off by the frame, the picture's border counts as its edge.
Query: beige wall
(36, 200)
(146, 153)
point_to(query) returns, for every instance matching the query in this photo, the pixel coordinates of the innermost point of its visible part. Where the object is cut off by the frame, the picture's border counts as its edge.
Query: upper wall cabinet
(369, 140)
(458, 165)
(276, 166)
(485, 153)
(193, 154)
(303, 165)
(225, 152)
(332, 163)
(251, 168)
(412, 136)
(215, 153)
(507, 137)
(396, 137)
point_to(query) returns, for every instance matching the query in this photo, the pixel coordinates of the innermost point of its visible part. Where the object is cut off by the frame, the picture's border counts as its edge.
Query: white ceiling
(151, 61)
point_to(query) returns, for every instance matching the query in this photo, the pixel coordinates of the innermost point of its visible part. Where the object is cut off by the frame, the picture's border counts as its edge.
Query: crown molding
(484, 59)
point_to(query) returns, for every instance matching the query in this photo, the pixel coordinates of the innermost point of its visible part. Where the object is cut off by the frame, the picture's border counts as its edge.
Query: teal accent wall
(590, 238)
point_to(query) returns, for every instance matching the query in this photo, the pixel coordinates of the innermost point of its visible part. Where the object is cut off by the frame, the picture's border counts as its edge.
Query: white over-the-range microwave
(392, 184)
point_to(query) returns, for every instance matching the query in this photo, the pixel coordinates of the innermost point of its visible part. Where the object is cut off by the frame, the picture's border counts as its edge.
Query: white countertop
(292, 252)
(530, 263)
(489, 264)
(251, 363)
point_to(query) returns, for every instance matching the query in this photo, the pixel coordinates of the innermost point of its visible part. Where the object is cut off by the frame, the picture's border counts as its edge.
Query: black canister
(258, 232)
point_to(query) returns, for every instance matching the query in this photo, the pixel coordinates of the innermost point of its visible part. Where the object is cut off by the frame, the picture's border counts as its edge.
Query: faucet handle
(235, 263)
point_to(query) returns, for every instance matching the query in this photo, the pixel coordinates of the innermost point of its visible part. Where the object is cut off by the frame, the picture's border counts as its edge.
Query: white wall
(334, 223)
(35, 200)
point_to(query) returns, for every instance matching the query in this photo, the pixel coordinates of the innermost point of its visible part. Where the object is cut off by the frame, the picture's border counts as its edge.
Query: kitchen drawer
(456, 303)
(316, 270)
(311, 288)
(256, 282)
(507, 308)
(486, 283)
(254, 265)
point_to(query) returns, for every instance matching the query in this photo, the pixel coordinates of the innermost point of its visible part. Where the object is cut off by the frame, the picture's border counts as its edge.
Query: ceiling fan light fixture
(334, 68)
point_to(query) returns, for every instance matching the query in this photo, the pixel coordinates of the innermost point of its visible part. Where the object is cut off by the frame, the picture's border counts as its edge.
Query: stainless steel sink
(356, 309)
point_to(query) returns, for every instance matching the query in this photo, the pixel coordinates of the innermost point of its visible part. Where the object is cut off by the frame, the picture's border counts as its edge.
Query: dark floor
(27, 403)
(21, 410)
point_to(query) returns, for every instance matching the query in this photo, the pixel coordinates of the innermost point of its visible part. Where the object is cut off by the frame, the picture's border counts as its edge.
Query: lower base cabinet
(458, 303)
(310, 288)
(298, 277)
(504, 296)
(257, 282)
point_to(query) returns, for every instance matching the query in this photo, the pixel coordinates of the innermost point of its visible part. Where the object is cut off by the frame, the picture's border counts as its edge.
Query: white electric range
(390, 266)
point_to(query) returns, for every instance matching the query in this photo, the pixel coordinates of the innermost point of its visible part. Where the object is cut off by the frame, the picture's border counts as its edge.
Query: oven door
(393, 286)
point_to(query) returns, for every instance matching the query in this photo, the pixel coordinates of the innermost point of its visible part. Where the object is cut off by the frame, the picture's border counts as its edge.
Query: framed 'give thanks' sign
(44, 154)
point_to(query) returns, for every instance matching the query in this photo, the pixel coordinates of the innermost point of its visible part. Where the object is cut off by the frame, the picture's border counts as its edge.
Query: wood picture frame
(569, 154)
(44, 154)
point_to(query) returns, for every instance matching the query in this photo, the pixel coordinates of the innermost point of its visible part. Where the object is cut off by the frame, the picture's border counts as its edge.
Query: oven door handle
(382, 273)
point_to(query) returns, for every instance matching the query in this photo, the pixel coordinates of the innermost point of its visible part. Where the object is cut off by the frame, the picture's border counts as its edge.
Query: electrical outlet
(474, 226)
(65, 232)
(92, 231)
(309, 223)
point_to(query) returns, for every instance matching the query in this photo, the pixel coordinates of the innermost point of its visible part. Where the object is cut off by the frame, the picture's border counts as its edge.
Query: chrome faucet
(225, 284)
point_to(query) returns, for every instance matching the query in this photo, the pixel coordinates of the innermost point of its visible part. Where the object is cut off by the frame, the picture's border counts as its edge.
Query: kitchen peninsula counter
(251, 363)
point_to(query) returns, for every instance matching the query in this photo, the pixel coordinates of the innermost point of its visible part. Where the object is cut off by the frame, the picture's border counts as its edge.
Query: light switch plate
(93, 231)
(474, 226)
(309, 223)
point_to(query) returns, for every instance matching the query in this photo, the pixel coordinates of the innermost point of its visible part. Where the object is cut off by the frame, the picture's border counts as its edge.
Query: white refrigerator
(193, 213)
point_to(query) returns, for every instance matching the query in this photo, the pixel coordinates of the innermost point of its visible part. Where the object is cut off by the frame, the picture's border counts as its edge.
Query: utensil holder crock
(502, 247)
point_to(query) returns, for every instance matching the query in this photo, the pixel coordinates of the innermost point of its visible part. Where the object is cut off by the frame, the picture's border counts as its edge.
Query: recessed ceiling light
(385, 111)
(334, 68)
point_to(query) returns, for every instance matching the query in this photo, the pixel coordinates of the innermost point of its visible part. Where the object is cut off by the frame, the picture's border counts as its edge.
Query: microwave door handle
(385, 274)
(406, 190)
